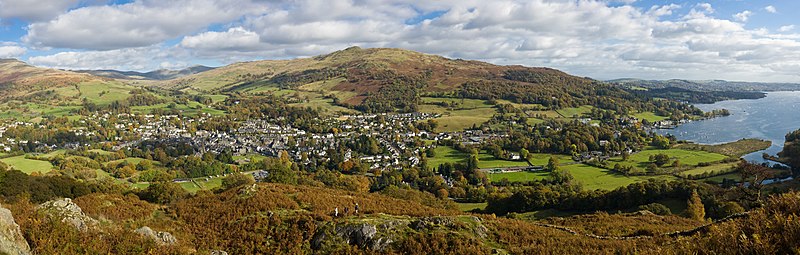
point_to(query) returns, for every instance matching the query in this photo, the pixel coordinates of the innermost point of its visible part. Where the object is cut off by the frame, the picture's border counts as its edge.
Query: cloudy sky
(750, 40)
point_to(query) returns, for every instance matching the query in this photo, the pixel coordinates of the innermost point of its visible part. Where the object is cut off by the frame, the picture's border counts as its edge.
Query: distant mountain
(162, 74)
(371, 79)
(708, 85)
(24, 83)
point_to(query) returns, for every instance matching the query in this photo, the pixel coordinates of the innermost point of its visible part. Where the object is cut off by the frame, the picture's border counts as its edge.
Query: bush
(656, 208)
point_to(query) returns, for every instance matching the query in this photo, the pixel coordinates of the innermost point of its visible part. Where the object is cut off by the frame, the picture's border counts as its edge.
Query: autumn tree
(695, 209)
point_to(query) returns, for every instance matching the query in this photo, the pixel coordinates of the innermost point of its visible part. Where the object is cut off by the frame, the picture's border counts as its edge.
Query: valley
(451, 155)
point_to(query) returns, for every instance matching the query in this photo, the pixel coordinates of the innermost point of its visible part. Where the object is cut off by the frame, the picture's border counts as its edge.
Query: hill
(162, 74)
(286, 219)
(708, 85)
(28, 92)
(380, 79)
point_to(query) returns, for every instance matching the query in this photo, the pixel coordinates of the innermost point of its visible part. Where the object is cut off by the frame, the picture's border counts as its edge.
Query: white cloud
(235, 39)
(11, 50)
(34, 10)
(771, 9)
(743, 16)
(705, 7)
(786, 28)
(137, 24)
(123, 59)
(588, 38)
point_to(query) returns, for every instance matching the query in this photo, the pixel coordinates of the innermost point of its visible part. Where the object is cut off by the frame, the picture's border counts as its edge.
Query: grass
(446, 154)
(686, 157)
(575, 111)
(649, 116)
(99, 92)
(466, 207)
(190, 109)
(488, 161)
(718, 179)
(464, 119)
(594, 178)
(518, 176)
(133, 161)
(733, 149)
(28, 166)
(716, 168)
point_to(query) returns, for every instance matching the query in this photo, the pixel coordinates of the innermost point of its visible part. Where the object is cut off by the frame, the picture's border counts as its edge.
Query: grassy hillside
(381, 79)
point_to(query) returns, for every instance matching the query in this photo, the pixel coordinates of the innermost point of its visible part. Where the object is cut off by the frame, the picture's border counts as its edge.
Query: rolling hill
(161, 74)
(381, 79)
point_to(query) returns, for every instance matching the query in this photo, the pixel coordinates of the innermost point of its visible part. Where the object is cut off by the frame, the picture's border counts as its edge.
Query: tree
(552, 164)
(660, 159)
(695, 209)
(525, 154)
(625, 156)
(561, 176)
(656, 208)
(236, 180)
(164, 193)
(472, 163)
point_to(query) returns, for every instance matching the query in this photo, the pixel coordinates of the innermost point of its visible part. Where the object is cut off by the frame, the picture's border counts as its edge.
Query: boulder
(218, 252)
(68, 212)
(363, 235)
(161, 238)
(11, 240)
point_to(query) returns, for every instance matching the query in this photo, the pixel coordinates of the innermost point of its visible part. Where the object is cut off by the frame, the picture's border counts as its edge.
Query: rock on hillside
(11, 240)
(378, 234)
(161, 238)
(68, 212)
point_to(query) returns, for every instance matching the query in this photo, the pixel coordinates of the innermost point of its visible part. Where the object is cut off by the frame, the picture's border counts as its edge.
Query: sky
(742, 40)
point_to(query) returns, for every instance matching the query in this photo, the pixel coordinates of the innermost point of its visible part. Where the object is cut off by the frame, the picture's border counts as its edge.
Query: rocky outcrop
(68, 212)
(379, 234)
(161, 238)
(218, 252)
(11, 240)
(363, 234)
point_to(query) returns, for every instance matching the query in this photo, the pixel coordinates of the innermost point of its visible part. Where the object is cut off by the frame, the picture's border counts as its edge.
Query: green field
(709, 169)
(129, 160)
(488, 161)
(734, 149)
(591, 177)
(446, 154)
(518, 176)
(466, 207)
(598, 178)
(649, 116)
(686, 157)
(467, 113)
(104, 92)
(718, 178)
(28, 166)
(577, 111)
(190, 109)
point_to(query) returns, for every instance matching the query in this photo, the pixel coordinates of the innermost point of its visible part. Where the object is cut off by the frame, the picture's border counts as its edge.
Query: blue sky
(750, 40)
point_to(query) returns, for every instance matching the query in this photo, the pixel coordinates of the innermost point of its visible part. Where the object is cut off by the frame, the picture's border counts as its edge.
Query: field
(466, 207)
(104, 92)
(686, 157)
(446, 154)
(488, 161)
(572, 112)
(649, 116)
(464, 115)
(598, 178)
(716, 168)
(28, 166)
(519, 176)
(733, 149)
(591, 177)
(191, 109)
(129, 160)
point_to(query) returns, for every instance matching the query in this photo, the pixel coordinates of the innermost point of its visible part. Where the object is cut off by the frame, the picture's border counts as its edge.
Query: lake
(769, 118)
